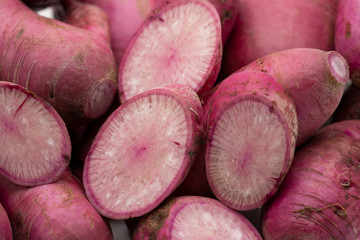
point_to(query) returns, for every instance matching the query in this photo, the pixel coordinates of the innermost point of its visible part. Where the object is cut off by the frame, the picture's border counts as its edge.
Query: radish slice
(194, 217)
(252, 128)
(143, 151)
(36, 146)
(179, 43)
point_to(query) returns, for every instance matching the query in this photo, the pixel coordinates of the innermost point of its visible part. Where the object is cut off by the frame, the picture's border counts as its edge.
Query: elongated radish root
(314, 79)
(53, 211)
(347, 35)
(35, 143)
(264, 27)
(143, 151)
(194, 217)
(5, 227)
(179, 43)
(251, 131)
(69, 67)
(319, 198)
(89, 17)
(349, 106)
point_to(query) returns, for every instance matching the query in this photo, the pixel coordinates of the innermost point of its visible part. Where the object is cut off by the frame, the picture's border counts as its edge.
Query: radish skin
(188, 51)
(5, 227)
(194, 217)
(53, 211)
(251, 125)
(319, 196)
(78, 75)
(265, 27)
(36, 146)
(89, 17)
(148, 144)
(313, 78)
(347, 35)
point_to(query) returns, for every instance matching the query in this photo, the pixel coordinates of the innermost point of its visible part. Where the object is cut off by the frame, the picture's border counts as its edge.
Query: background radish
(264, 27)
(347, 34)
(319, 197)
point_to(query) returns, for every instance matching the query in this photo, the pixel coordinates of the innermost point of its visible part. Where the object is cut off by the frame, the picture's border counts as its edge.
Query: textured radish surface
(250, 140)
(313, 78)
(71, 68)
(181, 44)
(251, 133)
(34, 141)
(319, 198)
(55, 211)
(195, 218)
(140, 155)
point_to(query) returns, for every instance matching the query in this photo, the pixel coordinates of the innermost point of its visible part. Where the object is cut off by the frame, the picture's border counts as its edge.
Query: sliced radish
(179, 43)
(251, 133)
(194, 217)
(143, 151)
(35, 143)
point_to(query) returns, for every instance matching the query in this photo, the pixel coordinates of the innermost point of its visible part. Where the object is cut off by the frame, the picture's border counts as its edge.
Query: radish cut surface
(140, 155)
(251, 135)
(205, 221)
(247, 153)
(181, 43)
(35, 143)
(194, 217)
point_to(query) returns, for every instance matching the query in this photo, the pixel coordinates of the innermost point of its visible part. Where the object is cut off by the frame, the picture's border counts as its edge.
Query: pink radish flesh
(180, 45)
(140, 155)
(194, 217)
(35, 143)
(208, 221)
(247, 153)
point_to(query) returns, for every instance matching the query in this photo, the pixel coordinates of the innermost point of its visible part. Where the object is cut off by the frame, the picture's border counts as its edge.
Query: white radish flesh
(35, 143)
(142, 152)
(252, 128)
(179, 43)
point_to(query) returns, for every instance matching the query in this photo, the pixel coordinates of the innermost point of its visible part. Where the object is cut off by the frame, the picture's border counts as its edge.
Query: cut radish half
(252, 128)
(143, 151)
(179, 43)
(35, 144)
(194, 217)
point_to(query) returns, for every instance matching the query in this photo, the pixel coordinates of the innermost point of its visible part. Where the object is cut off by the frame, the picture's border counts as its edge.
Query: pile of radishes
(184, 119)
